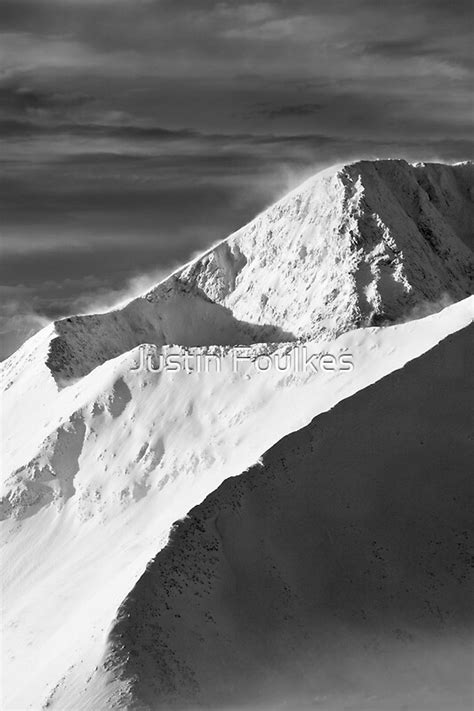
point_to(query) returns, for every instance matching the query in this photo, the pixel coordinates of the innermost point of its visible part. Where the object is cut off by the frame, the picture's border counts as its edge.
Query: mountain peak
(366, 243)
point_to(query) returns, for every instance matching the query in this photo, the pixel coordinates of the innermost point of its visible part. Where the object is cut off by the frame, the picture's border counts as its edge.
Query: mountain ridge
(364, 535)
(362, 244)
(113, 457)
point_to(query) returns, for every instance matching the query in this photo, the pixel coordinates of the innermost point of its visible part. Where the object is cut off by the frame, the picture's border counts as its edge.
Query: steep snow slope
(97, 499)
(361, 244)
(336, 574)
(372, 241)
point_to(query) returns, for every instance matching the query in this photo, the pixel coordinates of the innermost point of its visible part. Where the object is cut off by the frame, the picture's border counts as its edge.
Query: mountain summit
(362, 244)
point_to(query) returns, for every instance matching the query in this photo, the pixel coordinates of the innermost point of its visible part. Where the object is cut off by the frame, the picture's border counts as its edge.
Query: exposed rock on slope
(370, 239)
(334, 575)
(365, 243)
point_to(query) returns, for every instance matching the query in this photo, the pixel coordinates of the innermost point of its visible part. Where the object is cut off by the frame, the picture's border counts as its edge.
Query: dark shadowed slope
(335, 576)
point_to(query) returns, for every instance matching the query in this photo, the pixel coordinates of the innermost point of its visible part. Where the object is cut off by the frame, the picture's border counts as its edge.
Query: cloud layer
(136, 132)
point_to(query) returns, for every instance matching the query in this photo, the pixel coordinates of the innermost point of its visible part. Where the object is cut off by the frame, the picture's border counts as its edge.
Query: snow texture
(346, 547)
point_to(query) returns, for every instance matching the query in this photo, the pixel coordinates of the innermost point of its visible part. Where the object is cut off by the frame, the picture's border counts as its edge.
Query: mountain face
(101, 459)
(346, 547)
(365, 244)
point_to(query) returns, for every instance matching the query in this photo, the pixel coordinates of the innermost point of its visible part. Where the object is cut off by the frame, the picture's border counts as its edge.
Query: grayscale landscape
(237, 423)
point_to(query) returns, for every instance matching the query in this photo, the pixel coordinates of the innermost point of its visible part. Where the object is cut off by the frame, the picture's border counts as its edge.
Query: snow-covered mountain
(362, 244)
(100, 460)
(345, 549)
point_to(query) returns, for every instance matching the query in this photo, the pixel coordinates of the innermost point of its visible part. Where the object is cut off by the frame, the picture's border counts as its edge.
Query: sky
(135, 133)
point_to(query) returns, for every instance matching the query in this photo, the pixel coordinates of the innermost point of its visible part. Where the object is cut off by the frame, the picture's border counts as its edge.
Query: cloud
(19, 99)
(134, 133)
(18, 319)
(293, 110)
(104, 299)
(23, 309)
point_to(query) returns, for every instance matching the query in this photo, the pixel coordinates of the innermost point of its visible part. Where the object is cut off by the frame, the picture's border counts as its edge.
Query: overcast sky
(136, 132)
